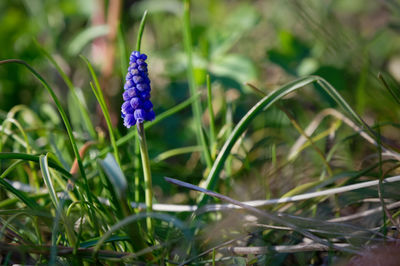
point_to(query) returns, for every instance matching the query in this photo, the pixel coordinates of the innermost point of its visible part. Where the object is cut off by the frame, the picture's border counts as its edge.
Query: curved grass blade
(63, 116)
(10, 133)
(395, 93)
(264, 214)
(136, 217)
(36, 213)
(19, 194)
(81, 104)
(94, 241)
(34, 158)
(100, 98)
(213, 134)
(7, 226)
(58, 205)
(11, 120)
(115, 175)
(44, 167)
(178, 151)
(12, 115)
(264, 104)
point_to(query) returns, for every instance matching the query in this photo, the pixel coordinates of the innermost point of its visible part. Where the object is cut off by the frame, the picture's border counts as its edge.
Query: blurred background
(265, 43)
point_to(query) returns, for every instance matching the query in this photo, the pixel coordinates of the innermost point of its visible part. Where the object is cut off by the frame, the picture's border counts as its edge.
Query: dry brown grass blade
(262, 214)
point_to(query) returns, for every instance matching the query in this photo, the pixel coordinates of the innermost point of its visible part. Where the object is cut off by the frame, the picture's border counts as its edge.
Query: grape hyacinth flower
(137, 106)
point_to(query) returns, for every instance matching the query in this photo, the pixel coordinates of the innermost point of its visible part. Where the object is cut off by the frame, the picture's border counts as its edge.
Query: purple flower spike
(142, 68)
(150, 115)
(143, 56)
(140, 115)
(137, 79)
(137, 107)
(134, 71)
(129, 120)
(127, 108)
(147, 105)
(135, 102)
(145, 95)
(142, 87)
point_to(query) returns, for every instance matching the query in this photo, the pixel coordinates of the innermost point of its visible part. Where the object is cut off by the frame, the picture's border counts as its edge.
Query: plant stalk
(146, 173)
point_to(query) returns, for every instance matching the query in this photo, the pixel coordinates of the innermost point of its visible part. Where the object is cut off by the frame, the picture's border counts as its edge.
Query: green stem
(137, 168)
(196, 106)
(213, 135)
(146, 173)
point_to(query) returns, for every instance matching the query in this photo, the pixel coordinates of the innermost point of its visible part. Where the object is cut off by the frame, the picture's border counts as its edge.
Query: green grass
(299, 169)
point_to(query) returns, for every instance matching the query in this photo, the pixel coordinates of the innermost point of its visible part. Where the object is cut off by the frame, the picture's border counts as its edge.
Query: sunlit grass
(240, 174)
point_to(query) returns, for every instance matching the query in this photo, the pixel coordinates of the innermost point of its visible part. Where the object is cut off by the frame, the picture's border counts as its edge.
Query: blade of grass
(115, 175)
(196, 105)
(263, 203)
(10, 133)
(92, 242)
(10, 120)
(12, 115)
(213, 135)
(309, 139)
(63, 116)
(298, 128)
(44, 166)
(140, 32)
(264, 104)
(259, 213)
(81, 104)
(100, 98)
(394, 93)
(174, 152)
(134, 218)
(58, 205)
(19, 194)
(300, 143)
(34, 158)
